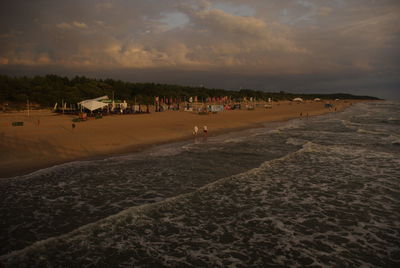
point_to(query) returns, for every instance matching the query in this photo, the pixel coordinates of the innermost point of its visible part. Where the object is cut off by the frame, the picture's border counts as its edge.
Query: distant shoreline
(48, 139)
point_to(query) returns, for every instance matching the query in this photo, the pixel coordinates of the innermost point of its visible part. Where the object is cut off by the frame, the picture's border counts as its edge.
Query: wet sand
(47, 139)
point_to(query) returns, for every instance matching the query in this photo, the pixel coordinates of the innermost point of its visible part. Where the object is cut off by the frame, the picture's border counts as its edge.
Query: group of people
(196, 130)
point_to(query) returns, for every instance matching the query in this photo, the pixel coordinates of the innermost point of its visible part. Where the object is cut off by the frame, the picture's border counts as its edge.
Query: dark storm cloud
(293, 45)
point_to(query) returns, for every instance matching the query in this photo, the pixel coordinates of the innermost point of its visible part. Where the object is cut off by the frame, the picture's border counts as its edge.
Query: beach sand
(48, 139)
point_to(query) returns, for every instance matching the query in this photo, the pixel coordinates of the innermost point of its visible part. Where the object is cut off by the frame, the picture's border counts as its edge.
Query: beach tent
(298, 99)
(317, 99)
(92, 105)
(136, 108)
(124, 105)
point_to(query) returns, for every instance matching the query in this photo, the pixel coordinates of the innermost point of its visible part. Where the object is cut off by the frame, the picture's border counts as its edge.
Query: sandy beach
(48, 139)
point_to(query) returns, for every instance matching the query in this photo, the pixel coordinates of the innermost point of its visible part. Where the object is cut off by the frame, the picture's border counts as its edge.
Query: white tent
(124, 105)
(298, 99)
(92, 105)
(317, 99)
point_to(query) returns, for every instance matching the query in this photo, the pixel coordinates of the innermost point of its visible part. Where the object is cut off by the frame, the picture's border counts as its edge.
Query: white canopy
(298, 99)
(101, 98)
(317, 99)
(92, 105)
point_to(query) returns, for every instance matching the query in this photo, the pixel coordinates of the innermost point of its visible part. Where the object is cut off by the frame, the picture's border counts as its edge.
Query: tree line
(45, 91)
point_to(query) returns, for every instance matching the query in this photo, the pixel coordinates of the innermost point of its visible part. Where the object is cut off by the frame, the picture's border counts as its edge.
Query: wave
(137, 211)
(361, 130)
(144, 217)
(295, 141)
(393, 119)
(48, 171)
(307, 147)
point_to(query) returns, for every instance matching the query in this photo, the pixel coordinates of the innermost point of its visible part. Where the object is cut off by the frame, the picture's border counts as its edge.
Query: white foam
(49, 170)
(295, 141)
(393, 119)
(364, 131)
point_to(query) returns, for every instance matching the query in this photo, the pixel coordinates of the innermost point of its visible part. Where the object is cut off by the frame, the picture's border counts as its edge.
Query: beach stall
(216, 108)
(236, 106)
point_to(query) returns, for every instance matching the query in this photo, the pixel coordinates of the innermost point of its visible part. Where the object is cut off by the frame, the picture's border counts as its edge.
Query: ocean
(311, 192)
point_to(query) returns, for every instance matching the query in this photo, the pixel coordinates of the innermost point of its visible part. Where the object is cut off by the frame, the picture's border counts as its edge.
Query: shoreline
(48, 140)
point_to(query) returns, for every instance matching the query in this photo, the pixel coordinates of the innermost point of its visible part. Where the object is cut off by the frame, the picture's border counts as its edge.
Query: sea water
(311, 192)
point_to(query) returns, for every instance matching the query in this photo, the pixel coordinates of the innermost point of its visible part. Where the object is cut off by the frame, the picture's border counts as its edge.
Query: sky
(299, 46)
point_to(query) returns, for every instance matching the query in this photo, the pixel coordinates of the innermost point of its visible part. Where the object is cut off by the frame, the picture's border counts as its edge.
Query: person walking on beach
(205, 130)
(195, 130)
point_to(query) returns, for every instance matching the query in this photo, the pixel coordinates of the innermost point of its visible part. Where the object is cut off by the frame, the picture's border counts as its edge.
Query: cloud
(326, 38)
(74, 24)
(64, 26)
(81, 25)
(219, 20)
(324, 11)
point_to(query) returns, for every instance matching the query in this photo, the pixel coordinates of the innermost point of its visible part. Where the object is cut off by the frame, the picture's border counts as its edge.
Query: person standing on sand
(205, 131)
(195, 130)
